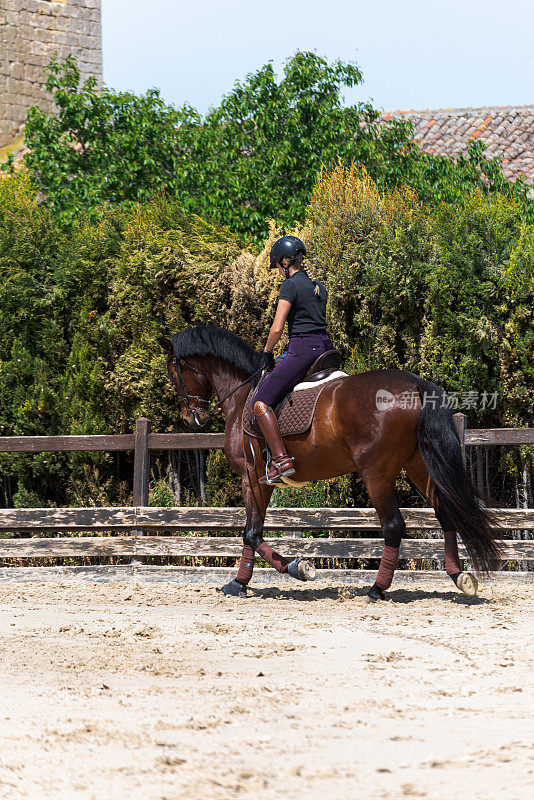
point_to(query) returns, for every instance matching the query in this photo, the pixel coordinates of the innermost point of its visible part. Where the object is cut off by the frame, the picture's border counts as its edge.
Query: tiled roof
(505, 130)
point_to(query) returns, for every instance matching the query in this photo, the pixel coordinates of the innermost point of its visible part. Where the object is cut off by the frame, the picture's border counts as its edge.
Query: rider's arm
(282, 310)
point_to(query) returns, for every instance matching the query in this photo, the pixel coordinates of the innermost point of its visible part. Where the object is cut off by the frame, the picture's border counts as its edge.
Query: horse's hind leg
(419, 476)
(384, 499)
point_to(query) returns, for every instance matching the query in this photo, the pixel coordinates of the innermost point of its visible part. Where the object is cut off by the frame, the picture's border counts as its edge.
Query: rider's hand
(266, 361)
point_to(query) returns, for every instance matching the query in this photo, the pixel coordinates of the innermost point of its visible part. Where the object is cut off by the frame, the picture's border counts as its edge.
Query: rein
(258, 371)
(187, 397)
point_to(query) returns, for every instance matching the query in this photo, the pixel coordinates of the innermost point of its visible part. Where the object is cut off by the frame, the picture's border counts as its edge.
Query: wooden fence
(142, 523)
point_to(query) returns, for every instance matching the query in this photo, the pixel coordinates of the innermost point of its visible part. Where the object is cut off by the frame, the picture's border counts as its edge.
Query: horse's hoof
(235, 589)
(302, 569)
(467, 583)
(375, 593)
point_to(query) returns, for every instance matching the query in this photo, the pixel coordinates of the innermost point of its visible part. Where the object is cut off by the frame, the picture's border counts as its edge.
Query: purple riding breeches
(303, 350)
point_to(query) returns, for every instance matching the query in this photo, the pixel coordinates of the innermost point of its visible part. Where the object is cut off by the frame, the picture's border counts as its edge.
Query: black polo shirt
(308, 310)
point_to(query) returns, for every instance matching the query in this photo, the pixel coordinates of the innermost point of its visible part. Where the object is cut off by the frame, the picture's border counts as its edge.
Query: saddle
(323, 366)
(295, 411)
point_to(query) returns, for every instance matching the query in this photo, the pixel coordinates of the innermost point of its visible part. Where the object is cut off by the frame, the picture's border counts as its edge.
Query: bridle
(186, 397)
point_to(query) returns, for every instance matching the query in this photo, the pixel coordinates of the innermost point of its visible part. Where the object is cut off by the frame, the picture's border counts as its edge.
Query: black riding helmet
(286, 247)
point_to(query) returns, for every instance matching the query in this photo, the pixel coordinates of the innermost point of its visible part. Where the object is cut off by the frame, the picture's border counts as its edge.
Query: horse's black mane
(209, 340)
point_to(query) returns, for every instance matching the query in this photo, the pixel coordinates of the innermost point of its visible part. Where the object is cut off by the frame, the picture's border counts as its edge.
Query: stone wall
(30, 32)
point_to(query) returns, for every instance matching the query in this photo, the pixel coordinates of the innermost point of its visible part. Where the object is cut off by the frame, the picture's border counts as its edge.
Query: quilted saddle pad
(295, 412)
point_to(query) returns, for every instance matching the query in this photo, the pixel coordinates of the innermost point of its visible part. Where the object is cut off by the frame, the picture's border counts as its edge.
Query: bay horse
(351, 431)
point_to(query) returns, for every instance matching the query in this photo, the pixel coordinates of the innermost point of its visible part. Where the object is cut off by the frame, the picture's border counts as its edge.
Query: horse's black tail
(441, 452)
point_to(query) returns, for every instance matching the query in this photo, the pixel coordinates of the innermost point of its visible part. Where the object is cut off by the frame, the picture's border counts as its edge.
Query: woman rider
(302, 302)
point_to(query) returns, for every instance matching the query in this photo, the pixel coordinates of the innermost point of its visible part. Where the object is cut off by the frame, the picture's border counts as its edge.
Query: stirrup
(277, 480)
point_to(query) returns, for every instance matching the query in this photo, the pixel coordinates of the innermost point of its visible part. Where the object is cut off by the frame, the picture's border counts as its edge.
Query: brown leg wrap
(452, 559)
(278, 562)
(246, 565)
(388, 562)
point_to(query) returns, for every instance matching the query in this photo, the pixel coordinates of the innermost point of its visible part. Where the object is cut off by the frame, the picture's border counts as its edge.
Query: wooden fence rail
(141, 518)
(206, 441)
(206, 519)
(230, 547)
(164, 520)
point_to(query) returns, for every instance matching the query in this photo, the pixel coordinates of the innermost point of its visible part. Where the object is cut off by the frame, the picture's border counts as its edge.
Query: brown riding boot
(281, 463)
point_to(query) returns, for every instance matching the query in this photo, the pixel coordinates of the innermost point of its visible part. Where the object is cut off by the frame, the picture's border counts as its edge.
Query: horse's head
(192, 386)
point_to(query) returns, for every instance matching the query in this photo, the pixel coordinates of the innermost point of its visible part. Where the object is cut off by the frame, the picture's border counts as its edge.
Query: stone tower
(30, 32)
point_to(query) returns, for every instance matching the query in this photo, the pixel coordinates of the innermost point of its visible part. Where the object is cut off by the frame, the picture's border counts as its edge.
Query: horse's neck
(224, 377)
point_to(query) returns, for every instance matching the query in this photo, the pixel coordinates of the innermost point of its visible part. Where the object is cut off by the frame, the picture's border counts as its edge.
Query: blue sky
(412, 54)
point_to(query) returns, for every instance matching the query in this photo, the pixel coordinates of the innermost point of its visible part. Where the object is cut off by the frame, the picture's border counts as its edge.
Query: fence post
(141, 470)
(460, 423)
(141, 462)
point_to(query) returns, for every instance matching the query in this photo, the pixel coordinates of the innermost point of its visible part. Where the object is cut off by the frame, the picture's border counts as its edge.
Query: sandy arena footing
(135, 688)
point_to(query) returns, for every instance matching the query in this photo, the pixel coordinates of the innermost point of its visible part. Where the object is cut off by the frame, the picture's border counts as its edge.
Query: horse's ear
(166, 344)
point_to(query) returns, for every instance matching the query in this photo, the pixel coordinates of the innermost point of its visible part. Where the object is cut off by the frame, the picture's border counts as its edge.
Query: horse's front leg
(257, 498)
(299, 568)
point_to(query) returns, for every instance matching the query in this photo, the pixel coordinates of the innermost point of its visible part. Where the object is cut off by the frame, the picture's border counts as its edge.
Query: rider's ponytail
(299, 263)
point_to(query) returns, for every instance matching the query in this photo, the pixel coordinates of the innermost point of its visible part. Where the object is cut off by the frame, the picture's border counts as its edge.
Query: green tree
(101, 145)
(253, 158)
(256, 156)
(32, 340)
(445, 291)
